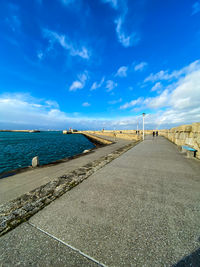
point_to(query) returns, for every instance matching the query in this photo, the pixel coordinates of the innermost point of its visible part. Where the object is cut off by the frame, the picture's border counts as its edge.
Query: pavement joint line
(68, 245)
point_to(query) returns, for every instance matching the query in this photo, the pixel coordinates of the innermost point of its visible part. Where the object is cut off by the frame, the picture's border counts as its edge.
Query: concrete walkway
(142, 209)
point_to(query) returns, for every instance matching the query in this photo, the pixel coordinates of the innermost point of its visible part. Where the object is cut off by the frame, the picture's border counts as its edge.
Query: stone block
(198, 140)
(188, 128)
(191, 154)
(35, 162)
(196, 127)
(189, 141)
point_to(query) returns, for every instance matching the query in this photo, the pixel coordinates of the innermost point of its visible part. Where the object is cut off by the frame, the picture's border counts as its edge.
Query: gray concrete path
(142, 209)
(16, 185)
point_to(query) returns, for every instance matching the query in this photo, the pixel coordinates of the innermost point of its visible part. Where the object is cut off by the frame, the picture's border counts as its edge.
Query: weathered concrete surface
(142, 209)
(16, 185)
(26, 246)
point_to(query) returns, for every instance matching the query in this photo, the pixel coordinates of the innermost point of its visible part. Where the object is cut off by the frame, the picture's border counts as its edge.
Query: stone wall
(96, 139)
(188, 135)
(126, 135)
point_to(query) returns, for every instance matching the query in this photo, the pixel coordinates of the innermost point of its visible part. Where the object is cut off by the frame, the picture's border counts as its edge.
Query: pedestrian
(156, 133)
(153, 133)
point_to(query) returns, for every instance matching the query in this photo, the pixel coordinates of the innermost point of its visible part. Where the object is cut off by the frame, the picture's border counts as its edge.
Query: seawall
(125, 134)
(188, 135)
(96, 139)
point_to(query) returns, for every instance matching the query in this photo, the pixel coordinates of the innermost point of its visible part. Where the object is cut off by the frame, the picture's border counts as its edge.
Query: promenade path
(142, 209)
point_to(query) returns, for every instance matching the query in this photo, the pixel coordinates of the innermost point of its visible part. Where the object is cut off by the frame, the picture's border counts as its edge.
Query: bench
(191, 152)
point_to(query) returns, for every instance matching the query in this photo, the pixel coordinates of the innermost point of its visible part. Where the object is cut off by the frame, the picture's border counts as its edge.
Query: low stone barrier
(22, 208)
(125, 135)
(184, 135)
(96, 139)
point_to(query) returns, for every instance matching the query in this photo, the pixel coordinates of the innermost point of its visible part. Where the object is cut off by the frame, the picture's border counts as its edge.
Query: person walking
(153, 133)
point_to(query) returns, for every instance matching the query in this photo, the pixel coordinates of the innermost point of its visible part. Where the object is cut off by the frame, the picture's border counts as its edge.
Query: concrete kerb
(22, 208)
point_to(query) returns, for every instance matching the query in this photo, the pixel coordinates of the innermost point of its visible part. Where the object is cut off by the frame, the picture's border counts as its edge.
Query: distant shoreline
(21, 131)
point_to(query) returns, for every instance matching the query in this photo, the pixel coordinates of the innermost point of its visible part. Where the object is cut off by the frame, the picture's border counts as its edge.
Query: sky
(93, 64)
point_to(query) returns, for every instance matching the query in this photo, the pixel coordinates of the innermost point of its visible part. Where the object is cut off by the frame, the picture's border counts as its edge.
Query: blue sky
(93, 64)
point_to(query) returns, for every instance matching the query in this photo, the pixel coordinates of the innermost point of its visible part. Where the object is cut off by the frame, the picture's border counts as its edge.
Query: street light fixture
(143, 114)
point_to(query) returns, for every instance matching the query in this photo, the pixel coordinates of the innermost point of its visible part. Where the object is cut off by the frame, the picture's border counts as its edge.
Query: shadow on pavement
(192, 260)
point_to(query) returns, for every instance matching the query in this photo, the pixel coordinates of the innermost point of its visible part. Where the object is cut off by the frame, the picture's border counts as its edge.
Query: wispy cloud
(140, 66)
(122, 71)
(80, 83)
(166, 75)
(156, 87)
(125, 39)
(131, 103)
(110, 85)
(97, 85)
(63, 41)
(40, 54)
(196, 8)
(86, 104)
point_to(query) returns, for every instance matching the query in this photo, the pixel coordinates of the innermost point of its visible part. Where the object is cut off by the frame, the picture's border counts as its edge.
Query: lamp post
(143, 114)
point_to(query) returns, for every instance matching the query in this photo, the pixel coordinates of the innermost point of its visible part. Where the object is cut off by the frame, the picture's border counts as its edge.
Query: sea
(18, 148)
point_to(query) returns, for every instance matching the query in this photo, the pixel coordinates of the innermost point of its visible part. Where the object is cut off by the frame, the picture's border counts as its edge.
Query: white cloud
(40, 55)
(96, 85)
(178, 104)
(165, 75)
(86, 104)
(184, 95)
(76, 85)
(61, 39)
(196, 8)
(51, 103)
(122, 71)
(80, 83)
(24, 110)
(161, 75)
(156, 87)
(131, 103)
(158, 101)
(140, 66)
(125, 39)
(110, 85)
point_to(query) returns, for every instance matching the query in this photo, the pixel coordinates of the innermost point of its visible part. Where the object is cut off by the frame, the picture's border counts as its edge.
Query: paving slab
(18, 184)
(26, 246)
(142, 209)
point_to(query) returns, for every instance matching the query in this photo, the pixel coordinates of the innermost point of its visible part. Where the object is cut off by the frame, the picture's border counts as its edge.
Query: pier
(139, 209)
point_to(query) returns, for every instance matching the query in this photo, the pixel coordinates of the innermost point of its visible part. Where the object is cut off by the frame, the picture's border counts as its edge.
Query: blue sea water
(17, 149)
